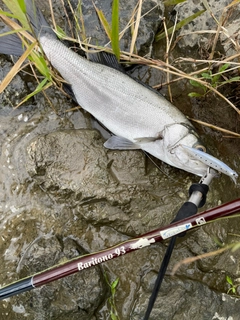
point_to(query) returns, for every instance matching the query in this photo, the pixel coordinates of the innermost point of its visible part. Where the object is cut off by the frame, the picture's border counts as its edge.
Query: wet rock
(69, 161)
(107, 187)
(136, 164)
(152, 12)
(15, 91)
(185, 300)
(78, 296)
(199, 31)
(62, 194)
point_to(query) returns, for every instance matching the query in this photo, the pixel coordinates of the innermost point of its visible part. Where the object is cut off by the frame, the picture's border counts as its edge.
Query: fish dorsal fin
(105, 58)
(110, 60)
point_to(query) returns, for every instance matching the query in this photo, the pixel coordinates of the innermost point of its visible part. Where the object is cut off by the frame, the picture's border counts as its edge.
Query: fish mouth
(211, 162)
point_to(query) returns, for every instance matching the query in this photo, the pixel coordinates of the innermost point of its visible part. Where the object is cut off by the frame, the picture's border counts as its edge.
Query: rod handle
(16, 288)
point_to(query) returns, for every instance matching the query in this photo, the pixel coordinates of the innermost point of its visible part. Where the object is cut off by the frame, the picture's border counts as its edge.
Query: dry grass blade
(132, 22)
(220, 28)
(164, 67)
(167, 59)
(104, 22)
(11, 32)
(169, 43)
(227, 59)
(201, 256)
(216, 39)
(206, 5)
(136, 27)
(81, 26)
(16, 67)
(215, 127)
(187, 76)
(15, 26)
(67, 16)
(52, 15)
(179, 25)
(233, 3)
(133, 58)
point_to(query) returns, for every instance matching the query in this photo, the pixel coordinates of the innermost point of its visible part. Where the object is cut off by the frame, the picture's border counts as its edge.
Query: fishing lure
(211, 161)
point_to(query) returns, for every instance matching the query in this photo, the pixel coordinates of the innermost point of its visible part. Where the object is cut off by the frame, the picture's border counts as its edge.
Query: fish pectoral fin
(120, 143)
(148, 139)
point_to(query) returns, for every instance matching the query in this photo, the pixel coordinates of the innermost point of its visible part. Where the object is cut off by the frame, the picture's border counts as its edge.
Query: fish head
(184, 150)
(176, 135)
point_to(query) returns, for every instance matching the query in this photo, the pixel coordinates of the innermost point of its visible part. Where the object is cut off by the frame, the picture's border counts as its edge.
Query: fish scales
(138, 117)
(109, 94)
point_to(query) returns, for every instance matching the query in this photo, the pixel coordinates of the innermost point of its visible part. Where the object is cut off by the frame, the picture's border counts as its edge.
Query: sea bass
(138, 117)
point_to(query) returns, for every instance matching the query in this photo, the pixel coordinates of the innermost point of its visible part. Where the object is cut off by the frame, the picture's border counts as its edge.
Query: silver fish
(138, 117)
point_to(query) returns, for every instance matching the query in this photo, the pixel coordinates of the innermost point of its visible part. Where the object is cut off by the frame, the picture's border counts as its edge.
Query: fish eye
(200, 148)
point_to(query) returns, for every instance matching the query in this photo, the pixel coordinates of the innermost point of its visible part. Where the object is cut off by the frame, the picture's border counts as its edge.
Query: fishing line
(160, 276)
(198, 194)
(157, 166)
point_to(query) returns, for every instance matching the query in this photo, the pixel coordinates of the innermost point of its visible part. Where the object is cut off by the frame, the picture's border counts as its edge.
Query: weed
(215, 80)
(33, 52)
(111, 300)
(204, 80)
(233, 287)
(112, 31)
(179, 25)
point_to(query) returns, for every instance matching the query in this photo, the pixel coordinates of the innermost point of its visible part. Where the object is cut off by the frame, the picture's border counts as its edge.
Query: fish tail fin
(11, 44)
(38, 22)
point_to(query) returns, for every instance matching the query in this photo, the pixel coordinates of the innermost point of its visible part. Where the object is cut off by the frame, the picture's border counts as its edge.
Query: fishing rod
(90, 260)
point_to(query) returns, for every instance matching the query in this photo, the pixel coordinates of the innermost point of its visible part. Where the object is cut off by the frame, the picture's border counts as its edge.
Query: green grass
(111, 300)
(233, 286)
(179, 25)
(32, 51)
(203, 80)
(215, 80)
